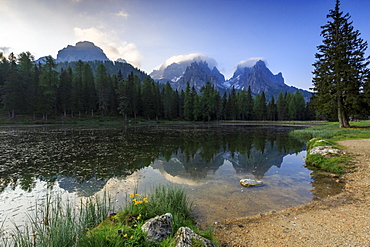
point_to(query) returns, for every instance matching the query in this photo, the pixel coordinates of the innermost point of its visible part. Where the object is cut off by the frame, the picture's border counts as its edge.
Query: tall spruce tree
(340, 68)
(103, 90)
(49, 82)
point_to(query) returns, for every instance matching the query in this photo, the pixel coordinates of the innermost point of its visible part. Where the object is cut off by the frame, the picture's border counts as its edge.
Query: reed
(56, 223)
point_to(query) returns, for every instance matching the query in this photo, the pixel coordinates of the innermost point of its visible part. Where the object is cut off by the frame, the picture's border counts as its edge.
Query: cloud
(5, 50)
(113, 47)
(122, 14)
(250, 62)
(196, 57)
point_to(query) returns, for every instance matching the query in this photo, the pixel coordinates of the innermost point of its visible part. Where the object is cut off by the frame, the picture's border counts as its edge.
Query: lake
(207, 160)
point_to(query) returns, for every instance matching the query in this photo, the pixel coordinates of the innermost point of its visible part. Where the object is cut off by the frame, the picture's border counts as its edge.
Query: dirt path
(341, 220)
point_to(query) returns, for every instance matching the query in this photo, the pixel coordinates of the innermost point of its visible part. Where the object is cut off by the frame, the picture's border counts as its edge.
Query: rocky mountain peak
(84, 50)
(197, 75)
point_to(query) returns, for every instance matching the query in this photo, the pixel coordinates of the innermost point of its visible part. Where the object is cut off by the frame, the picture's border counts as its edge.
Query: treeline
(42, 90)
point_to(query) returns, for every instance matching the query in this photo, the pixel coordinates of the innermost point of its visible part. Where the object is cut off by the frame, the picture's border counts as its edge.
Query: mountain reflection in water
(86, 161)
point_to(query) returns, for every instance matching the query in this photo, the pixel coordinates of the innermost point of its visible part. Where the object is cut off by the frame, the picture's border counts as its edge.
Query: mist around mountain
(260, 79)
(195, 69)
(197, 72)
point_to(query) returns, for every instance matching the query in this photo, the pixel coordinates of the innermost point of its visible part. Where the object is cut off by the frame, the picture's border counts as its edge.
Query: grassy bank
(329, 133)
(58, 223)
(330, 130)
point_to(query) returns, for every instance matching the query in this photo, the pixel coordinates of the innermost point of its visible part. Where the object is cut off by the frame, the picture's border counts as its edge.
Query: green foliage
(325, 135)
(124, 228)
(331, 131)
(59, 224)
(341, 71)
(165, 199)
(333, 163)
(82, 88)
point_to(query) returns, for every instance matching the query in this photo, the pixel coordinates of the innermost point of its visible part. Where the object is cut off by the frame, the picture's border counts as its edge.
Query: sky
(284, 33)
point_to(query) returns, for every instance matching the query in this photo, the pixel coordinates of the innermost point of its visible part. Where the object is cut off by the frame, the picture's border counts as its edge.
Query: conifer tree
(65, 91)
(340, 68)
(250, 106)
(168, 101)
(102, 88)
(88, 89)
(48, 85)
(189, 103)
(232, 105)
(13, 93)
(260, 107)
(77, 87)
(281, 105)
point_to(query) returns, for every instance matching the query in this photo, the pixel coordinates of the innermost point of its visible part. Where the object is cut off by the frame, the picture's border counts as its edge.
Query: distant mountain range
(194, 69)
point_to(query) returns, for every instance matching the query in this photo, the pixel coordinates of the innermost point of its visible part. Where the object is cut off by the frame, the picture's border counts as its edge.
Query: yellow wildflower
(131, 237)
(132, 195)
(138, 218)
(138, 202)
(125, 235)
(135, 225)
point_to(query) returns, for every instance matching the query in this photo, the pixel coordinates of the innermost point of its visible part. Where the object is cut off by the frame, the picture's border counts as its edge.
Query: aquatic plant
(57, 223)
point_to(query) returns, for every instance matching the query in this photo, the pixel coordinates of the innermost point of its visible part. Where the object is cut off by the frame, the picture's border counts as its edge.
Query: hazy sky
(146, 33)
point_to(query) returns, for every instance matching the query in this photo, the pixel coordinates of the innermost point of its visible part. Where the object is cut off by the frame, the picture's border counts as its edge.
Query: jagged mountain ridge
(258, 77)
(197, 75)
(196, 70)
(85, 51)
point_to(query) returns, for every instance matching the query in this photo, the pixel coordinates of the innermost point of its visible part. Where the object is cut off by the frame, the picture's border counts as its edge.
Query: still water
(207, 160)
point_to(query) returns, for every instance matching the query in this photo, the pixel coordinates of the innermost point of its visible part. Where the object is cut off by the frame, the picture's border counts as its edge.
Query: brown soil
(341, 220)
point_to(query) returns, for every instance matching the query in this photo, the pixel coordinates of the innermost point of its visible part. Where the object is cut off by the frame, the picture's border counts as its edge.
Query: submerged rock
(247, 182)
(158, 228)
(185, 237)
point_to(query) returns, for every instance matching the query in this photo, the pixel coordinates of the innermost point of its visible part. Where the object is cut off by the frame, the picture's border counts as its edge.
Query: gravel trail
(340, 220)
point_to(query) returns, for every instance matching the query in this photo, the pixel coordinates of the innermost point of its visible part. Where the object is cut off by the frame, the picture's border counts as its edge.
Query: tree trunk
(342, 115)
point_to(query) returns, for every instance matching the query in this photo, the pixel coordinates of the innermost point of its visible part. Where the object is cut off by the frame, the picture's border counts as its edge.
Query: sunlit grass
(359, 130)
(329, 133)
(334, 164)
(124, 228)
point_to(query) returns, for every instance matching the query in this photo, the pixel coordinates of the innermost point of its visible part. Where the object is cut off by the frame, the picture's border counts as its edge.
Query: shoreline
(334, 221)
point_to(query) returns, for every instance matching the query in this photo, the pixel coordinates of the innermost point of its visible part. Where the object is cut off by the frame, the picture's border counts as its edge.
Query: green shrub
(333, 163)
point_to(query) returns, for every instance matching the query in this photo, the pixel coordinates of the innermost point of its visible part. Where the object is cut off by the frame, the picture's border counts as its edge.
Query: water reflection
(208, 160)
(95, 155)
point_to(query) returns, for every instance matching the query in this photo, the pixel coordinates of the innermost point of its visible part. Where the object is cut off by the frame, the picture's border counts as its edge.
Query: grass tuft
(124, 228)
(334, 163)
(359, 130)
(59, 224)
